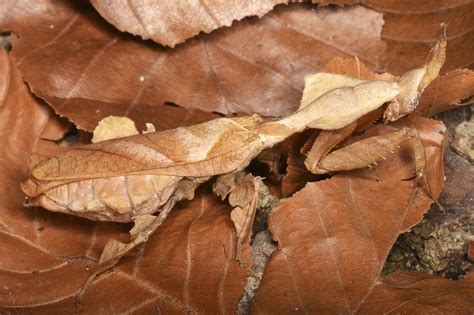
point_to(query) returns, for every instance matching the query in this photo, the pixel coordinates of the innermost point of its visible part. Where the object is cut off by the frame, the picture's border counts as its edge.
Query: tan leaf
(337, 233)
(171, 23)
(355, 68)
(114, 127)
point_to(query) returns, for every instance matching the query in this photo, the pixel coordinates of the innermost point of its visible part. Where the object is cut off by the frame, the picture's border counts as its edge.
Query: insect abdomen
(118, 198)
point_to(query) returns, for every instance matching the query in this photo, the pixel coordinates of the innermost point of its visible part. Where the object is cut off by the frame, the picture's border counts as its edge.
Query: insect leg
(371, 150)
(243, 196)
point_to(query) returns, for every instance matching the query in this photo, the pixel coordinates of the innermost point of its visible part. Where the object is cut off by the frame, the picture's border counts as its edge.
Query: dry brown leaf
(417, 293)
(411, 28)
(446, 92)
(172, 22)
(87, 70)
(47, 257)
(401, 18)
(334, 235)
(73, 59)
(29, 257)
(187, 266)
(297, 175)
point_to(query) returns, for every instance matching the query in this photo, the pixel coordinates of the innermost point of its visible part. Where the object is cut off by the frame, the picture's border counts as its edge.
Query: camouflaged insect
(132, 178)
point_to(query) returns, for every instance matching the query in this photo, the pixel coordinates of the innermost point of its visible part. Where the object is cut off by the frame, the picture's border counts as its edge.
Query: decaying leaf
(170, 23)
(328, 233)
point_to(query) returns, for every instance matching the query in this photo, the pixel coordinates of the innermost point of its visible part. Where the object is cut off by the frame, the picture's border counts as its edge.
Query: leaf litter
(158, 295)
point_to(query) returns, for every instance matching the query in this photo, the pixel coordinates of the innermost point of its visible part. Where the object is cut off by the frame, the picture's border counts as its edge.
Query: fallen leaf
(412, 293)
(171, 23)
(401, 18)
(446, 92)
(411, 28)
(86, 70)
(337, 233)
(186, 266)
(114, 127)
(27, 257)
(297, 175)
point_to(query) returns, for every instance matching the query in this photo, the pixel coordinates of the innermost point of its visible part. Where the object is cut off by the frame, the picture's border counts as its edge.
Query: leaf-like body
(207, 149)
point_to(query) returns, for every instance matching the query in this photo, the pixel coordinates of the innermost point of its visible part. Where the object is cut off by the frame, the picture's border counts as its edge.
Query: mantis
(132, 178)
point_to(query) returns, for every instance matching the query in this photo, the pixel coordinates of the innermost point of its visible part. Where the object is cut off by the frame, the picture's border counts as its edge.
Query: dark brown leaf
(334, 235)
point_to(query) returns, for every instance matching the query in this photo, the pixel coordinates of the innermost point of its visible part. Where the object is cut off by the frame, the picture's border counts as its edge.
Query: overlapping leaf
(411, 293)
(158, 20)
(87, 70)
(447, 91)
(334, 235)
(187, 266)
(170, 23)
(331, 249)
(411, 27)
